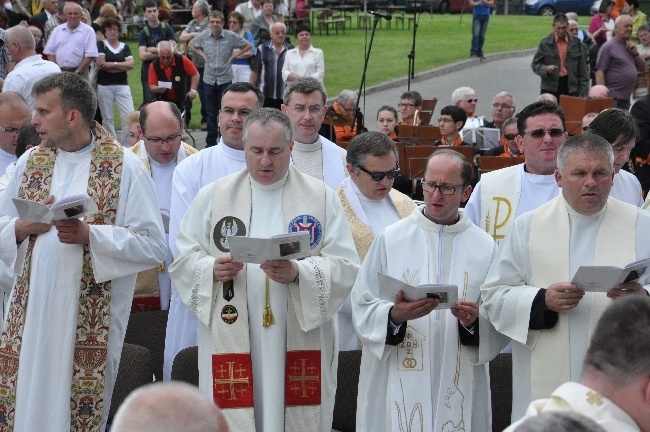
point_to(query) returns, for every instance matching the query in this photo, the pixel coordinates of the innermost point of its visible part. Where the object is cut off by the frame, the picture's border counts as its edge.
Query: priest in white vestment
(619, 128)
(528, 294)
(371, 204)
(268, 346)
(71, 302)
(160, 150)
(614, 388)
(503, 195)
(305, 104)
(210, 164)
(417, 369)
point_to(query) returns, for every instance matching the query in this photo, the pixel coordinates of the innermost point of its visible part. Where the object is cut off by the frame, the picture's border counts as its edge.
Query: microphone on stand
(388, 17)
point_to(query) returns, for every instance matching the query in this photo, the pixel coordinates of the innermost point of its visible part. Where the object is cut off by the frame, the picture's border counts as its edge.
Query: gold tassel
(267, 317)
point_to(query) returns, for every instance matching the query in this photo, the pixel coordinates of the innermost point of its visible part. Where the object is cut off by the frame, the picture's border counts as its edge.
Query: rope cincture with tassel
(267, 317)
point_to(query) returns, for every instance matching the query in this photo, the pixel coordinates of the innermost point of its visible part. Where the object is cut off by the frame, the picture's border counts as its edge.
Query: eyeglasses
(445, 120)
(585, 128)
(471, 100)
(231, 112)
(540, 133)
(313, 110)
(444, 189)
(406, 105)
(169, 140)
(509, 137)
(9, 130)
(502, 106)
(379, 175)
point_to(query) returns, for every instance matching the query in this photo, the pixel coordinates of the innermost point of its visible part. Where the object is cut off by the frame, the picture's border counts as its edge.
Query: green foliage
(441, 40)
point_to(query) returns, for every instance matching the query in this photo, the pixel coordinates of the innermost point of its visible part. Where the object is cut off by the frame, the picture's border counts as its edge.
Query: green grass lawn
(441, 39)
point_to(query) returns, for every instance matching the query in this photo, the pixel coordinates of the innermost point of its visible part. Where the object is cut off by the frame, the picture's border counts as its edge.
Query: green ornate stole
(91, 340)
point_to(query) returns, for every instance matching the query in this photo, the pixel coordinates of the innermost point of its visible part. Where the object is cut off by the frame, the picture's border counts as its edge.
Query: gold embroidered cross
(594, 398)
(231, 384)
(305, 380)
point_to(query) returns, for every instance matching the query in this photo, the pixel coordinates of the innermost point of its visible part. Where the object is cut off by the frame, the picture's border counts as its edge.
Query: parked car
(440, 6)
(551, 7)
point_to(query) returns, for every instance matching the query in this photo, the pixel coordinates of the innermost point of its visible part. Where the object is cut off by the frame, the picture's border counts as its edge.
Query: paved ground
(498, 72)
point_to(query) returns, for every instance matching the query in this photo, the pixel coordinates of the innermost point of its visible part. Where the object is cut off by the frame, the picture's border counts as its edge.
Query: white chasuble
(234, 348)
(541, 249)
(134, 243)
(427, 382)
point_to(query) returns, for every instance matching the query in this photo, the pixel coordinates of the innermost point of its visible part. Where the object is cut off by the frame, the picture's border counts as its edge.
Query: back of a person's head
(620, 344)
(559, 421)
(168, 407)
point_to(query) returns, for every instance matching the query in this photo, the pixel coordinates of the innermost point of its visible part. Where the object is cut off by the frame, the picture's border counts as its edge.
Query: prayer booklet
(72, 207)
(604, 278)
(389, 287)
(279, 247)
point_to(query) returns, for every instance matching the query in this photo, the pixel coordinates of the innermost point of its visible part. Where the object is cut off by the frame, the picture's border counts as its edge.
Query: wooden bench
(326, 19)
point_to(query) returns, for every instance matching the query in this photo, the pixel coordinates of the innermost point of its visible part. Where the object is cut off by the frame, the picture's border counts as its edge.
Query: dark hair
(560, 18)
(604, 5)
(457, 114)
(620, 343)
(303, 86)
(144, 114)
(369, 144)
(538, 108)
(615, 125)
(149, 4)
(412, 95)
(111, 22)
(302, 28)
(466, 167)
(239, 17)
(244, 87)
(388, 108)
(633, 3)
(75, 93)
(26, 136)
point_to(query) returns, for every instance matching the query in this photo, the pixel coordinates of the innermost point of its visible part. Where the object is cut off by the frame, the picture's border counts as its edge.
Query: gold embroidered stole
(500, 193)
(361, 232)
(232, 372)
(146, 296)
(94, 298)
(549, 257)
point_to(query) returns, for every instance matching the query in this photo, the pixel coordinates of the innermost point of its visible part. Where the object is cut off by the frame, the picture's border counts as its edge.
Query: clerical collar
(302, 147)
(159, 165)
(362, 197)
(575, 213)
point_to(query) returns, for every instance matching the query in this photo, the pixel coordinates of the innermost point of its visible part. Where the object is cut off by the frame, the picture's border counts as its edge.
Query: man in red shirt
(173, 77)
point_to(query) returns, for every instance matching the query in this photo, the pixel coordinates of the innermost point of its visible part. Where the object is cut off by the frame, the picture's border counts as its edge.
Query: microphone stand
(365, 67)
(411, 55)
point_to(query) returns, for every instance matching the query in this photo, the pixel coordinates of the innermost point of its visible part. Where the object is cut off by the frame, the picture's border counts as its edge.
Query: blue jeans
(479, 28)
(213, 95)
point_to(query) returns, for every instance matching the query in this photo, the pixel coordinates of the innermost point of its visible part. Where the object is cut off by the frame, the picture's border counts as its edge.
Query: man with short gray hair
(527, 293)
(503, 108)
(341, 115)
(273, 323)
(465, 98)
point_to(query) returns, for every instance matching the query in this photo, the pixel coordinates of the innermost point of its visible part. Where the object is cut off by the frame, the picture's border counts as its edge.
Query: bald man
(14, 113)
(168, 407)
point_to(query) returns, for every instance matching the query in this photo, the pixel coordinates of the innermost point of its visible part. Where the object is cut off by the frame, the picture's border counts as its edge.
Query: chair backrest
(136, 370)
(345, 402)
(501, 389)
(416, 158)
(417, 135)
(148, 329)
(186, 366)
(575, 109)
(492, 163)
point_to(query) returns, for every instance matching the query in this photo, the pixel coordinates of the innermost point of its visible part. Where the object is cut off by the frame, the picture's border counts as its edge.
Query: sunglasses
(378, 176)
(471, 100)
(540, 133)
(509, 137)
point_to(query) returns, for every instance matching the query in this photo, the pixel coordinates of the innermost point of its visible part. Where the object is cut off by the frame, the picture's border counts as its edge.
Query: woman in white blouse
(304, 60)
